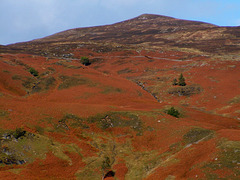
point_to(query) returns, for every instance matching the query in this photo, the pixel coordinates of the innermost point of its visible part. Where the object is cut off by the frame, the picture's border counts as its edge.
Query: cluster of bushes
(185, 91)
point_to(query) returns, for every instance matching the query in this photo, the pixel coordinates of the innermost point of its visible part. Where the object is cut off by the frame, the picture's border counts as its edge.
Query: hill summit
(152, 31)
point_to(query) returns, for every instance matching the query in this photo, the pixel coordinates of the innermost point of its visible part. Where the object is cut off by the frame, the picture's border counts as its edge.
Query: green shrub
(33, 71)
(19, 132)
(85, 61)
(173, 112)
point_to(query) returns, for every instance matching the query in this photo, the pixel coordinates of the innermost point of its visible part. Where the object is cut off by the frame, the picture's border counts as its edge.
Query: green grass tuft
(110, 89)
(70, 81)
(196, 134)
(185, 90)
(4, 114)
(16, 77)
(44, 84)
(117, 119)
(228, 158)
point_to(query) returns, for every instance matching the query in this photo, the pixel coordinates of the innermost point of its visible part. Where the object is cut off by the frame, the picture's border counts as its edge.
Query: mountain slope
(116, 117)
(150, 31)
(139, 26)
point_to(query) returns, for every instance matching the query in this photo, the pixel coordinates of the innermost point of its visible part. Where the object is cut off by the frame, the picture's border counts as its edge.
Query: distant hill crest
(148, 30)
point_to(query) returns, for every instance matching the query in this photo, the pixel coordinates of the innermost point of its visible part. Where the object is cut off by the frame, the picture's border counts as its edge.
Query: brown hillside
(148, 31)
(110, 119)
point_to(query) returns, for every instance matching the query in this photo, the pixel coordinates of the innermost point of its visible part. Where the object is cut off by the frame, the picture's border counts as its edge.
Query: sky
(25, 20)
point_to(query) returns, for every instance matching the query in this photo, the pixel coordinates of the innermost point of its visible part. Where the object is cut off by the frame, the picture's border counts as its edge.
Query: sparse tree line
(84, 60)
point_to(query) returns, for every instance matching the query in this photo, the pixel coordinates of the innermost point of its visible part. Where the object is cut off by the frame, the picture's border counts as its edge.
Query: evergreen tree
(181, 80)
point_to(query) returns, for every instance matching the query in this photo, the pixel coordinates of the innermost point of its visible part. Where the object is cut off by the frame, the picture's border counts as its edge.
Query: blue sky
(24, 20)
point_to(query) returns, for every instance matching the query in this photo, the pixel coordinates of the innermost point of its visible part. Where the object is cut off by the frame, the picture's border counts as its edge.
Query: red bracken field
(110, 120)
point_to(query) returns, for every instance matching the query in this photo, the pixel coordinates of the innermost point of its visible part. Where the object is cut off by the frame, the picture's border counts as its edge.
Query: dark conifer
(181, 80)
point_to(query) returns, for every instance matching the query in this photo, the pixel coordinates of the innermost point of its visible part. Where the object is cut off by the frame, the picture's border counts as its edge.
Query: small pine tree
(174, 82)
(181, 80)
